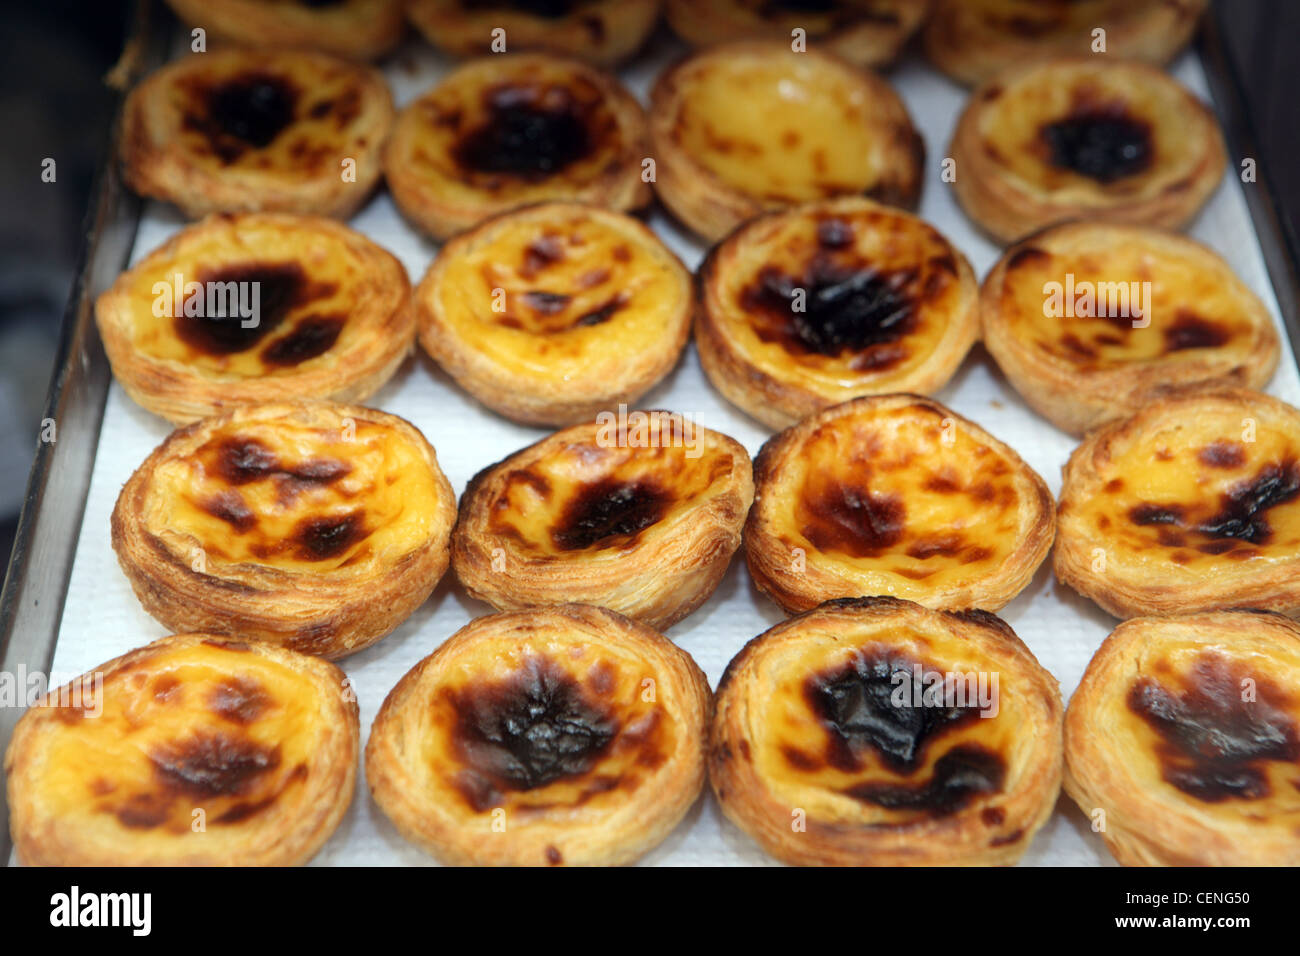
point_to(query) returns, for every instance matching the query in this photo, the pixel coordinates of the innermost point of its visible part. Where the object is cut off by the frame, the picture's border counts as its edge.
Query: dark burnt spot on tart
(1189, 331)
(212, 764)
(553, 856)
(526, 731)
(229, 506)
(1027, 256)
(1242, 515)
(530, 132)
(312, 336)
(344, 108)
(165, 688)
(957, 778)
(547, 303)
(610, 513)
(245, 112)
(240, 700)
(544, 251)
(1213, 745)
(547, 9)
(852, 520)
(1105, 143)
(322, 538)
(948, 545)
(219, 328)
(1222, 454)
(240, 460)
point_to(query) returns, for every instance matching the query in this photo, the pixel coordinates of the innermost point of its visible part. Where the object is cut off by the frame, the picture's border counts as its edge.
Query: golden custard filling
(892, 731)
(905, 502)
(805, 131)
(555, 723)
(1069, 132)
(296, 498)
(523, 132)
(1114, 307)
(560, 296)
(209, 727)
(1224, 489)
(582, 500)
(288, 120)
(265, 301)
(838, 299)
(1218, 731)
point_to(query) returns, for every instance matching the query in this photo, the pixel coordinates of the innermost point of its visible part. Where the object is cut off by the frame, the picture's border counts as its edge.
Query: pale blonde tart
(642, 518)
(1182, 742)
(894, 495)
(802, 309)
(313, 525)
(195, 750)
(875, 732)
(1088, 320)
(558, 736)
(256, 307)
(244, 130)
(747, 127)
(552, 313)
(1191, 503)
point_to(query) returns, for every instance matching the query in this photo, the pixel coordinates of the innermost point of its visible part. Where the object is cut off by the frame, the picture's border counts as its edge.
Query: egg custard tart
(250, 130)
(864, 32)
(874, 732)
(357, 29)
(1084, 138)
(812, 127)
(894, 495)
(971, 40)
(550, 314)
(1190, 504)
(195, 750)
(568, 735)
(803, 309)
(1182, 742)
(604, 32)
(1088, 320)
(256, 307)
(641, 516)
(313, 525)
(508, 130)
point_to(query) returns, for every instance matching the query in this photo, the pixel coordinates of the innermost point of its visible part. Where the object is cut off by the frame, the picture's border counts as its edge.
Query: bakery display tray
(67, 607)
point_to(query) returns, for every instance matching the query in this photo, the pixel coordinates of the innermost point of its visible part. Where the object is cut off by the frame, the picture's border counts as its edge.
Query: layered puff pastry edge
(550, 314)
(239, 309)
(247, 130)
(805, 308)
(195, 750)
(818, 752)
(1191, 503)
(556, 736)
(641, 517)
(317, 526)
(894, 495)
(1182, 742)
(813, 127)
(1137, 311)
(358, 29)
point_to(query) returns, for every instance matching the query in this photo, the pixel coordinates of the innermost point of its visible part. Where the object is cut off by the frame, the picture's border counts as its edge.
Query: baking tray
(66, 607)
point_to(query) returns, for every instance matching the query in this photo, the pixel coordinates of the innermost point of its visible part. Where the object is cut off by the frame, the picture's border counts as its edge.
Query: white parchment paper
(102, 618)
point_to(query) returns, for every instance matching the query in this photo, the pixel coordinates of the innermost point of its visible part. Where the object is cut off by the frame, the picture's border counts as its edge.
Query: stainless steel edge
(36, 584)
(1230, 106)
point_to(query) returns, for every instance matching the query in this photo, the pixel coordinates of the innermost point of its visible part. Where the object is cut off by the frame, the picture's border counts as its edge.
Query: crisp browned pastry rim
(357, 29)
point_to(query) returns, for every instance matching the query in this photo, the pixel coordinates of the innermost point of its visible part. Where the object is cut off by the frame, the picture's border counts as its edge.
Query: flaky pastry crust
(971, 40)
(894, 495)
(568, 735)
(552, 313)
(817, 752)
(803, 309)
(1084, 138)
(865, 33)
(1182, 742)
(508, 130)
(329, 315)
(603, 32)
(1141, 311)
(813, 127)
(317, 526)
(195, 750)
(357, 29)
(1191, 503)
(644, 524)
(251, 130)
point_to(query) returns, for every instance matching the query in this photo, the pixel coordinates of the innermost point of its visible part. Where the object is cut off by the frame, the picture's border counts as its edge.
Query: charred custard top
(296, 497)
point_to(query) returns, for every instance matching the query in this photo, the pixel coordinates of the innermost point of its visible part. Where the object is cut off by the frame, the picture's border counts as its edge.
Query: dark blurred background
(53, 103)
